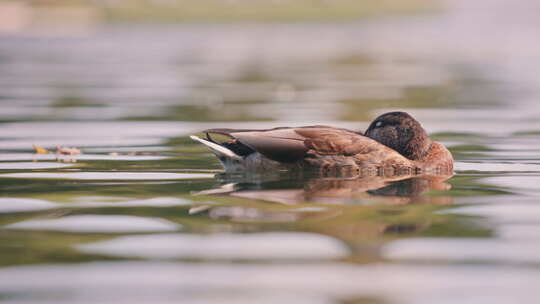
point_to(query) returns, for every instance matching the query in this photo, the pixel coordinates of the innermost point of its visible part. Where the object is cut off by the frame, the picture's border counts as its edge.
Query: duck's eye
(378, 124)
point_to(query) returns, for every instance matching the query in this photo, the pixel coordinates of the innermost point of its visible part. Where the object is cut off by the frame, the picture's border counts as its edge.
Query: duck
(394, 143)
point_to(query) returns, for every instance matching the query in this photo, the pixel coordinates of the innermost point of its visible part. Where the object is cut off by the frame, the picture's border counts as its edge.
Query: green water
(144, 214)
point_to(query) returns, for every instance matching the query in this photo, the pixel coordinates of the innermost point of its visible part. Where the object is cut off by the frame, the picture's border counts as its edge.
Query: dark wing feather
(283, 144)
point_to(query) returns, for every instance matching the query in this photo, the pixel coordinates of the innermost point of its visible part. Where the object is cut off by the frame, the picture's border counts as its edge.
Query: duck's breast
(438, 158)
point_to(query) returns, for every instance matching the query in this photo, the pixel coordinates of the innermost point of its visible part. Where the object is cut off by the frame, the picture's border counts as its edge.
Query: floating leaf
(40, 150)
(67, 150)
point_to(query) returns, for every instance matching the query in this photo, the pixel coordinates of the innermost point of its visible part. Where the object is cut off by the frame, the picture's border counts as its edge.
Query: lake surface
(144, 214)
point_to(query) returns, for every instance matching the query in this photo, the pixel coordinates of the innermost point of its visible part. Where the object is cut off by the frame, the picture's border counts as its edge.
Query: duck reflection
(362, 212)
(405, 189)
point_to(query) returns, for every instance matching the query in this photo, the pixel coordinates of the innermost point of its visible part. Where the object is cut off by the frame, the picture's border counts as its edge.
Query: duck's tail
(222, 153)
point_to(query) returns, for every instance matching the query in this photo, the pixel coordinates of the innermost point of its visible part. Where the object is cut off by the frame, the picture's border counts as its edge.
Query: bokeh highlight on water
(143, 215)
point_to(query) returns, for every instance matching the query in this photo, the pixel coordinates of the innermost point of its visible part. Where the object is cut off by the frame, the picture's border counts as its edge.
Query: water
(143, 215)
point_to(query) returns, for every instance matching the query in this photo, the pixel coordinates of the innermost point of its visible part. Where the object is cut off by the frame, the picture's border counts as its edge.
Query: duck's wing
(292, 144)
(280, 144)
(334, 141)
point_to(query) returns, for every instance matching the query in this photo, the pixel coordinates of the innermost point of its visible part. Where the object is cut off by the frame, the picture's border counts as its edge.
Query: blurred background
(263, 60)
(143, 214)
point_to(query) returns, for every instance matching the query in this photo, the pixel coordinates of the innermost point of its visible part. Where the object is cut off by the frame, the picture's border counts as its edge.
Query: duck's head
(401, 132)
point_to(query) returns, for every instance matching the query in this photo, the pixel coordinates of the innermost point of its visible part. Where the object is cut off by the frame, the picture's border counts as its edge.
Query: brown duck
(394, 143)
